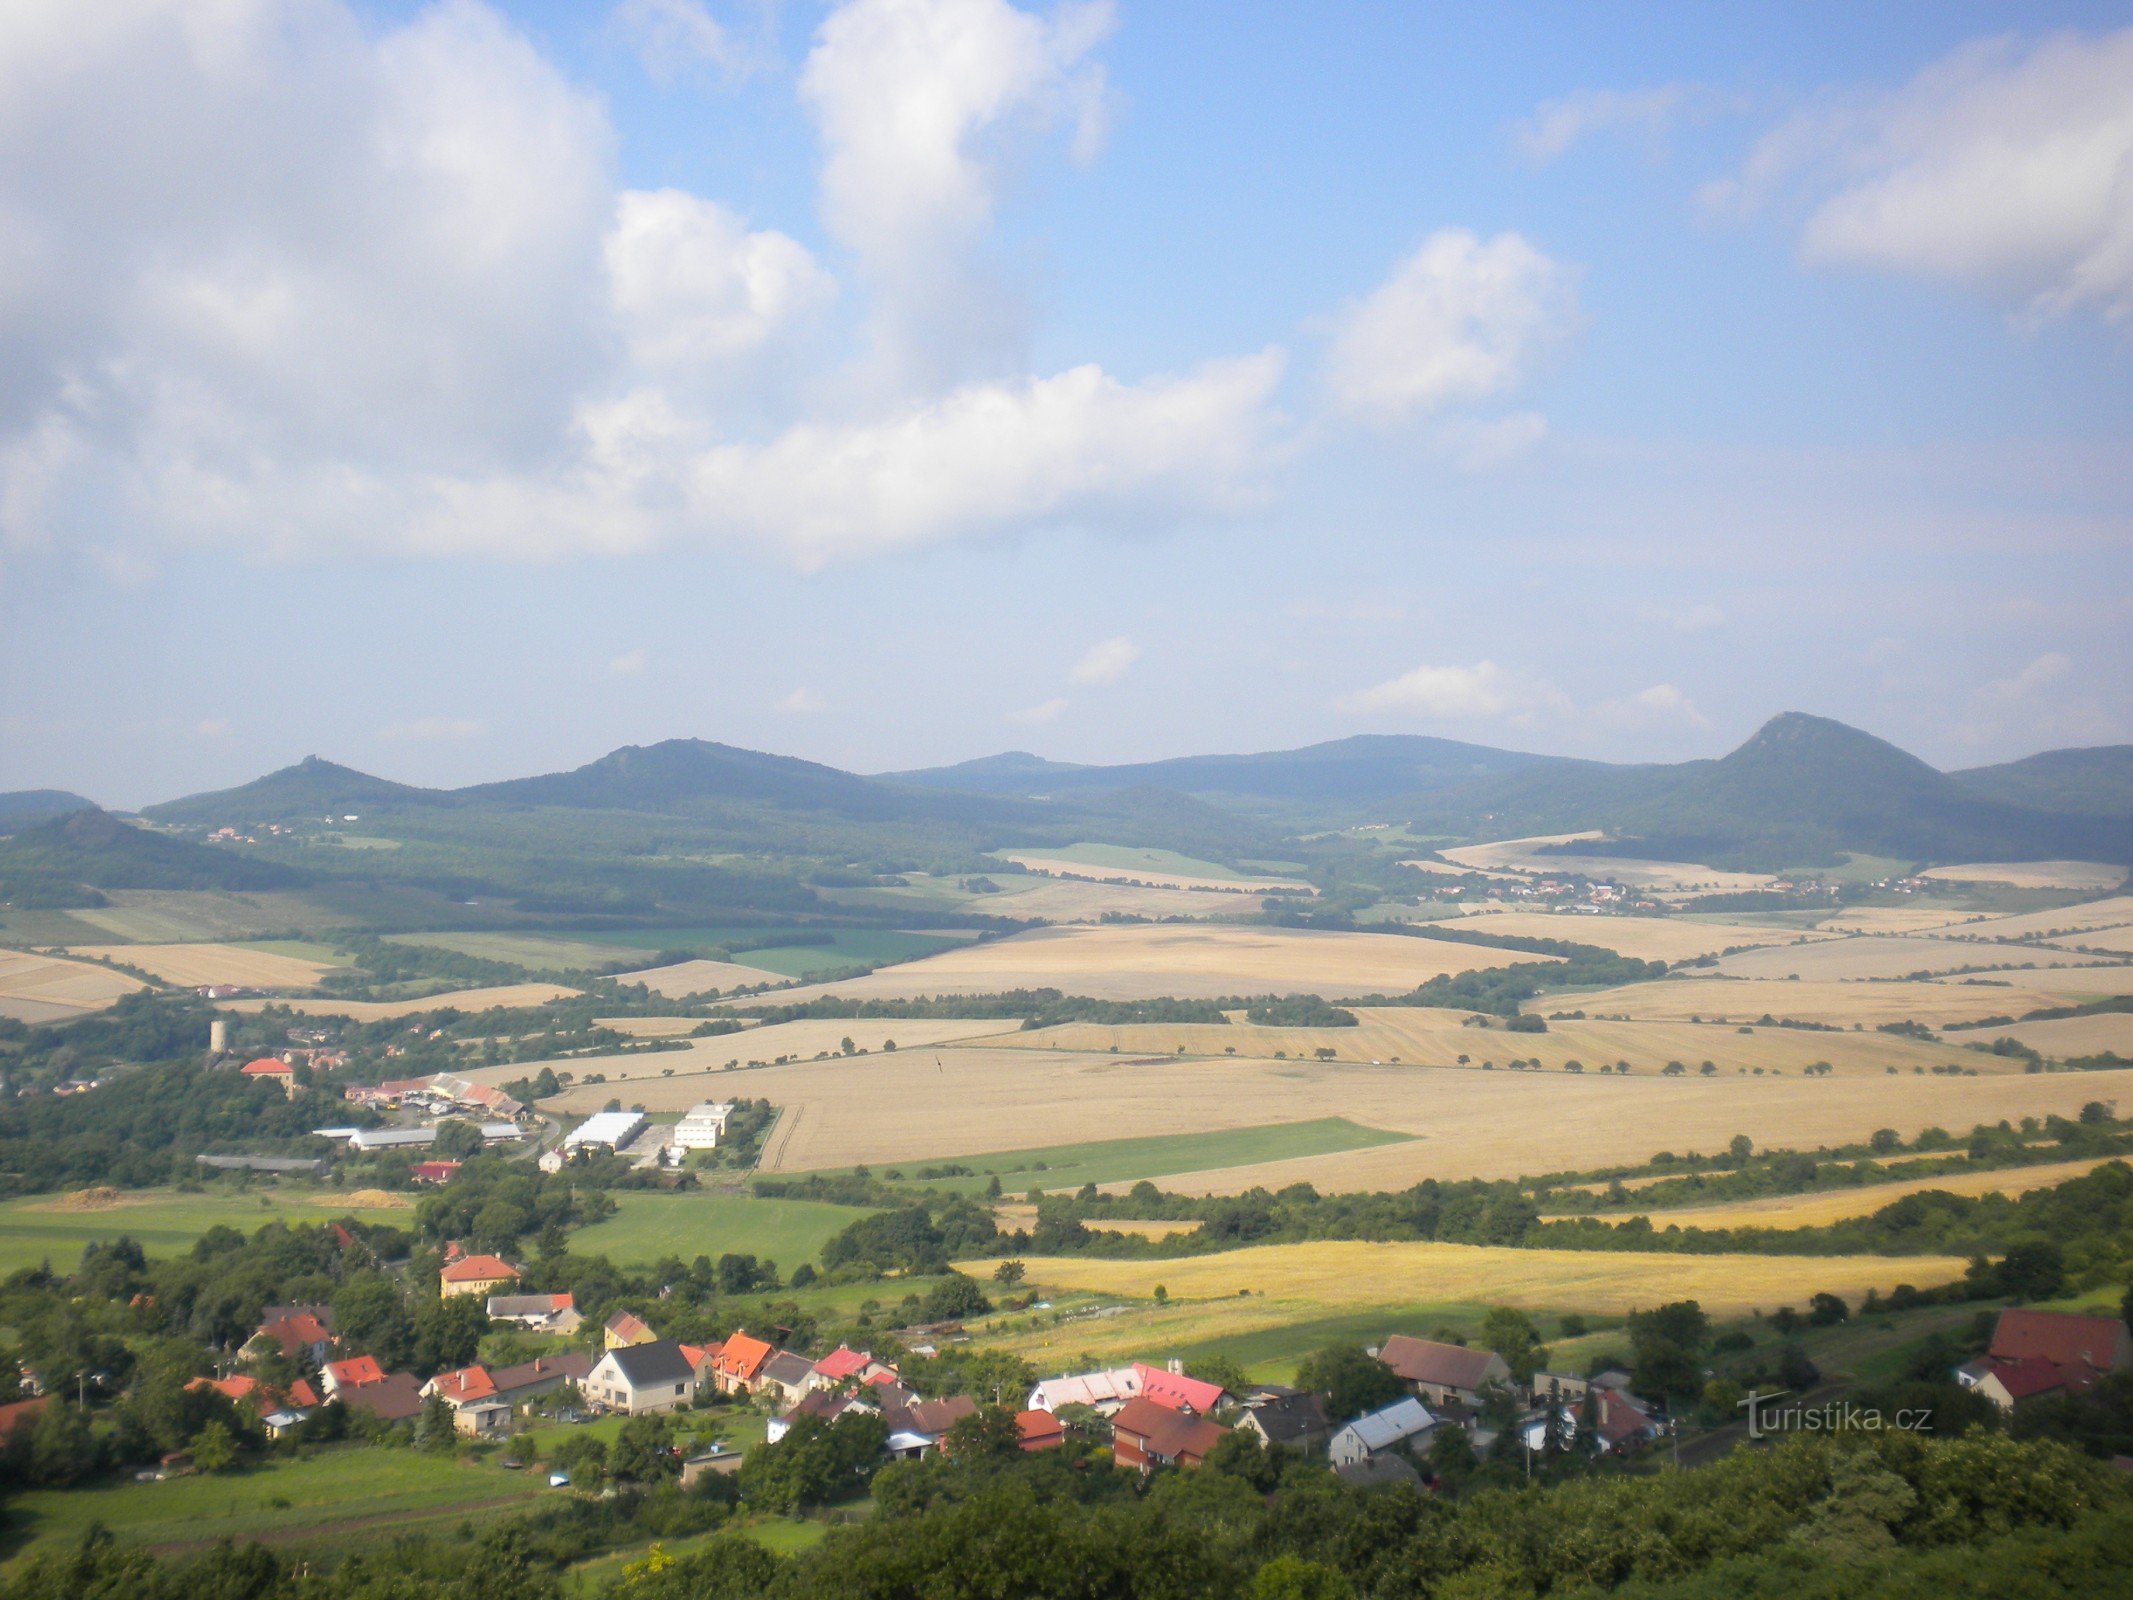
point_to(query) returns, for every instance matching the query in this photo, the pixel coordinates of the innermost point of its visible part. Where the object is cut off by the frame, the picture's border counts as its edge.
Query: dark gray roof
(1283, 1418)
(1379, 1469)
(785, 1367)
(661, 1361)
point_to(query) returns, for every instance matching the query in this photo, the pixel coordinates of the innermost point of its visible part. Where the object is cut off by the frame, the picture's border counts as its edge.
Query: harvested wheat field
(2075, 876)
(36, 988)
(1529, 856)
(2063, 985)
(1058, 867)
(2067, 1037)
(1018, 1215)
(1427, 1036)
(1839, 1205)
(1641, 938)
(699, 977)
(1329, 1275)
(2118, 941)
(674, 1080)
(2115, 912)
(1899, 919)
(1891, 956)
(510, 994)
(1188, 962)
(1742, 1000)
(923, 1105)
(1067, 900)
(193, 965)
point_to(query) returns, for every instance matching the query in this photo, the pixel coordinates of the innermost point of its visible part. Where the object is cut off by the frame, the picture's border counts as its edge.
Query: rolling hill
(24, 806)
(94, 848)
(310, 789)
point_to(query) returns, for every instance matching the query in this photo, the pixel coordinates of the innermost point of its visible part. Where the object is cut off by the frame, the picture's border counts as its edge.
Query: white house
(1395, 1427)
(640, 1378)
(703, 1126)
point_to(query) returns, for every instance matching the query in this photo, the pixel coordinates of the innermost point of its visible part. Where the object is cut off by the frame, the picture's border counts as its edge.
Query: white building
(704, 1125)
(1395, 1427)
(612, 1129)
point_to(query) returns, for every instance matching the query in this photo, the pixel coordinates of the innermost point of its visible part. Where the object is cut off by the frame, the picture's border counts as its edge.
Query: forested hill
(311, 789)
(94, 847)
(24, 806)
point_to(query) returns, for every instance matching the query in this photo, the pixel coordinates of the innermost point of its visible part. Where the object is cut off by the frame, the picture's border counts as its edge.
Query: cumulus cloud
(916, 102)
(2006, 166)
(802, 702)
(1556, 125)
(674, 38)
(1459, 692)
(1106, 662)
(694, 287)
(1460, 319)
(1661, 705)
(1044, 711)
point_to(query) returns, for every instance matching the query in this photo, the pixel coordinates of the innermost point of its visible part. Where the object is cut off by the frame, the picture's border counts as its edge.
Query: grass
(852, 947)
(162, 1222)
(1069, 1166)
(648, 1227)
(536, 952)
(1128, 858)
(340, 1498)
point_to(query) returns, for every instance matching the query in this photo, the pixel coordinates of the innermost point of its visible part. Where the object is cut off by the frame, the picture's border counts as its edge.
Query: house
(1563, 1387)
(702, 1357)
(641, 1378)
(241, 1389)
(1376, 1471)
(1441, 1372)
(1168, 1386)
(1620, 1421)
(623, 1329)
(433, 1171)
(1103, 1392)
(284, 1420)
(2047, 1354)
(703, 1126)
(268, 1070)
(846, 1365)
(1397, 1427)
(301, 1336)
(1533, 1429)
(477, 1409)
(482, 1275)
(917, 1426)
(357, 1372)
(1146, 1434)
(1040, 1430)
(1294, 1420)
(542, 1375)
(786, 1377)
(720, 1459)
(394, 1397)
(821, 1404)
(546, 1313)
(739, 1363)
(21, 1414)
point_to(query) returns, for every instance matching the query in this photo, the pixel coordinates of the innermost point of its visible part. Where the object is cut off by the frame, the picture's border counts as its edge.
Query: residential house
(1378, 1471)
(1146, 1434)
(821, 1404)
(1441, 1372)
(703, 1357)
(1103, 1392)
(1620, 1421)
(1040, 1430)
(1289, 1418)
(477, 1409)
(785, 1377)
(339, 1377)
(1533, 1428)
(623, 1329)
(268, 1070)
(1168, 1386)
(739, 1363)
(918, 1426)
(846, 1365)
(433, 1171)
(394, 1397)
(529, 1380)
(301, 1336)
(544, 1313)
(1402, 1426)
(482, 1275)
(1565, 1388)
(641, 1378)
(2038, 1355)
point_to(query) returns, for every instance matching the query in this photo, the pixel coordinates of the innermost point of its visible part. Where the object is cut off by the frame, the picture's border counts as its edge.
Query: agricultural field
(1667, 877)
(340, 1499)
(1331, 1275)
(2065, 921)
(1840, 1205)
(538, 952)
(684, 978)
(1641, 938)
(2078, 877)
(1428, 1036)
(1841, 1004)
(1164, 869)
(193, 965)
(165, 1221)
(186, 916)
(2066, 1037)
(1069, 900)
(2068, 985)
(1188, 962)
(2118, 941)
(509, 994)
(1889, 956)
(38, 988)
(1900, 919)
(649, 1227)
(1128, 1161)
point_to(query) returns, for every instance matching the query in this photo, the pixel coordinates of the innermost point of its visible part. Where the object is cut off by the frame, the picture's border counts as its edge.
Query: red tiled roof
(2062, 1338)
(1452, 1366)
(265, 1066)
(628, 1325)
(355, 1372)
(302, 1394)
(1040, 1430)
(843, 1362)
(468, 1383)
(742, 1357)
(698, 1354)
(16, 1413)
(297, 1333)
(1175, 1390)
(478, 1269)
(1154, 1429)
(2033, 1375)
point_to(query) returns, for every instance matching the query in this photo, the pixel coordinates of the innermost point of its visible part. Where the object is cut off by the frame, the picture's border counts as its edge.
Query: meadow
(185, 916)
(165, 1222)
(679, 979)
(1528, 856)
(650, 1227)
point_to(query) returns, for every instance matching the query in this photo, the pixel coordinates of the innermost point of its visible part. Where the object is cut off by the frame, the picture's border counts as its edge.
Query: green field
(1069, 1166)
(853, 947)
(751, 946)
(339, 1498)
(163, 1223)
(1131, 858)
(538, 952)
(648, 1227)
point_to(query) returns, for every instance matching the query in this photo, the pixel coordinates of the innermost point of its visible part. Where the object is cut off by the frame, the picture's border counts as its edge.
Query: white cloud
(630, 663)
(988, 457)
(1460, 319)
(1106, 662)
(802, 702)
(1662, 705)
(1556, 125)
(1044, 711)
(692, 286)
(673, 38)
(432, 730)
(2006, 166)
(916, 101)
(1454, 692)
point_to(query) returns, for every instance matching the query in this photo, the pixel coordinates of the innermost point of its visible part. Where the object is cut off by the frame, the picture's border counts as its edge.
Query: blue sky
(465, 390)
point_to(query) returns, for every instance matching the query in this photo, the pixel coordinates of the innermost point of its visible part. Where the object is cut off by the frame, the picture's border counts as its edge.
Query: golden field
(39, 988)
(192, 965)
(2064, 985)
(1193, 961)
(1742, 1000)
(2066, 1037)
(1057, 867)
(1527, 856)
(1839, 1205)
(1640, 938)
(509, 994)
(2115, 912)
(699, 977)
(2119, 941)
(2078, 877)
(1314, 1279)
(1893, 956)
(1069, 900)
(1896, 919)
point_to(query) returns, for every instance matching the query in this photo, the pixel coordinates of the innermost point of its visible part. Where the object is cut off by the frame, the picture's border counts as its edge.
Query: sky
(464, 390)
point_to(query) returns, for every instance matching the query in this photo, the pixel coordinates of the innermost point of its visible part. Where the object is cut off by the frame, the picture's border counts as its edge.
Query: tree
(1740, 1147)
(952, 1299)
(1512, 1335)
(2034, 1270)
(1351, 1381)
(434, 1427)
(583, 1456)
(448, 1332)
(1885, 1141)
(987, 1438)
(456, 1140)
(214, 1448)
(1827, 1310)
(1009, 1273)
(643, 1451)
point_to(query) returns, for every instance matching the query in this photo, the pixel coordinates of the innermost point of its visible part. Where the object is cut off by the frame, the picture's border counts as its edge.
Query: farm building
(605, 1130)
(703, 1125)
(1443, 1373)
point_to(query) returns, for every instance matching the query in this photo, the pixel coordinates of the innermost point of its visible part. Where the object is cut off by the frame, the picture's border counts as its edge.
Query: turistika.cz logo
(1767, 1416)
